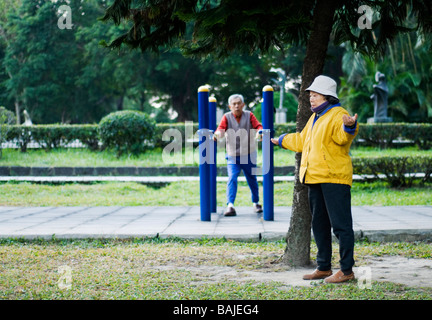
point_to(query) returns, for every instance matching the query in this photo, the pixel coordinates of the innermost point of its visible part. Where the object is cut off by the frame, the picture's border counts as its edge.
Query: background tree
(40, 59)
(408, 71)
(7, 8)
(221, 27)
(62, 75)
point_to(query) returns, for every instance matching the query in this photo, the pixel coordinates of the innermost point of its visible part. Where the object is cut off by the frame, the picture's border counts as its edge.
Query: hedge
(383, 135)
(387, 135)
(54, 136)
(397, 171)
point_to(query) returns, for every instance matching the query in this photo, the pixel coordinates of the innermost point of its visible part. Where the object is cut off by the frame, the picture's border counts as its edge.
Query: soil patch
(401, 270)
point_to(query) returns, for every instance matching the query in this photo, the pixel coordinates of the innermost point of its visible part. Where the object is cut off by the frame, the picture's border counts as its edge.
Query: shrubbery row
(124, 131)
(398, 171)
(53, 136)
(129, 128)
(383, 135)
(133, 132)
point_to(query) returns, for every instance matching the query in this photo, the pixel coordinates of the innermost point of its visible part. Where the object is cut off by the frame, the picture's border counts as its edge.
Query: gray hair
(235, 96)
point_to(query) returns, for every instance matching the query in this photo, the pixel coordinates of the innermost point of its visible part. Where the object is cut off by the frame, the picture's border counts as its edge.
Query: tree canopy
(63, 75)
(221, 27)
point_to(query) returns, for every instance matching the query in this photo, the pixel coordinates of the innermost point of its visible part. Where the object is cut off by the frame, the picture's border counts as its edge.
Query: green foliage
(180, 127)
(290, 104)
(408, 73)
(420, 133)
(6, 118)
(127, 131)
(53, 136)
(222, 27)
(381, 135)
(386, 135)
(398, 171)
(281, 128)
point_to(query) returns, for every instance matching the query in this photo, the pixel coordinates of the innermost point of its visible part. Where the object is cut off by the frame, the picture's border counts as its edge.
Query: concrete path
(406, 223)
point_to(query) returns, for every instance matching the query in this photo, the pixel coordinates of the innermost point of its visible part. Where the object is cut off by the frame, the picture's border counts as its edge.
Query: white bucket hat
(324, 85)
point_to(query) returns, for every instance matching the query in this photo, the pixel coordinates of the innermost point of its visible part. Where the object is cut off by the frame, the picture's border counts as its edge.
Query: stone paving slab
(411, 223)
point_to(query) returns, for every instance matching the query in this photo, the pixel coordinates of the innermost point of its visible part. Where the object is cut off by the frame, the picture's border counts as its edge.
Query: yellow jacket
(324, 144)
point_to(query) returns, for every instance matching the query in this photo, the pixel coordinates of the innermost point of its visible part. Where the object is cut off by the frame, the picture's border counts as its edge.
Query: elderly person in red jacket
(326, 169)
(240, 128)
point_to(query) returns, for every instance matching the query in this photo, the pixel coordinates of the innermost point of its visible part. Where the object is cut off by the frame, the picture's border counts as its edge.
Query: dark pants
(330, 205)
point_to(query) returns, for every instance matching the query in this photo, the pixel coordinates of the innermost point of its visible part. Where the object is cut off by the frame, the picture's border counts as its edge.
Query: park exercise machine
(208, 149)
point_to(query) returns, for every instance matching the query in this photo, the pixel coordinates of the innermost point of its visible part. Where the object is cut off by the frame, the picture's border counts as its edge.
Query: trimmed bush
(181, 127)
(281, 128)
(6, 119)
(387, 135)
(398, 171)
(54, 136)
(87, 134)
(419, 133)
(127, 131)
(382, 135)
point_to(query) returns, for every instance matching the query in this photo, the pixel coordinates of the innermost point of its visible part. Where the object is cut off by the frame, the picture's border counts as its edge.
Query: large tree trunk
(297, 251)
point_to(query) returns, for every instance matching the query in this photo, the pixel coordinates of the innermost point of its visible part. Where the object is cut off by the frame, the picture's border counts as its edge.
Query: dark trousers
(330, 205)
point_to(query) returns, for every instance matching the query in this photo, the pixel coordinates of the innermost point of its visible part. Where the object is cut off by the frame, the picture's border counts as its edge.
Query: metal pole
(204, 167)
(213, 168)
(267, 153)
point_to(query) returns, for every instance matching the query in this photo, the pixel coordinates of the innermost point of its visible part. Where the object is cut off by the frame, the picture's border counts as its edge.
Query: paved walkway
(406, 223)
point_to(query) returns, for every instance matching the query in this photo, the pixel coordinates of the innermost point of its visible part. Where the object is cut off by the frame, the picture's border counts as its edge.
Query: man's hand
(217, 135)
(349, 121)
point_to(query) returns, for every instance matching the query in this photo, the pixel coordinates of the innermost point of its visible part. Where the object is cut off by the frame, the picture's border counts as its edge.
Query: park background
(65, 75)
(116, 103)
(67, 79)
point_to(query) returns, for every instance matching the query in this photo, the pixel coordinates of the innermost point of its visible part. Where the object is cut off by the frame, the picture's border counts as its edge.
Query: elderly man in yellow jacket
(326, 169)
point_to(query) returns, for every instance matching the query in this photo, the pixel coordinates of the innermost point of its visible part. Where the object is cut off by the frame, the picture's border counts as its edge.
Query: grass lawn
(176, 269)
(186, 194)
(180, 193)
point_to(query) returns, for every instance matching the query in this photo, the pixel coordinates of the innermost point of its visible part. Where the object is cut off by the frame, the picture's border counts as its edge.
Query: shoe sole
(342, 281)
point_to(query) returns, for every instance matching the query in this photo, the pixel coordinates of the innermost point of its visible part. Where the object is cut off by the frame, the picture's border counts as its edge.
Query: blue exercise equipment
(207, 153)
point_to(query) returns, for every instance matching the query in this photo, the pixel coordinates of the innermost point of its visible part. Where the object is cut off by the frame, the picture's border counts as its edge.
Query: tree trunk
(17, 111)
(120, 101)
(297, 251)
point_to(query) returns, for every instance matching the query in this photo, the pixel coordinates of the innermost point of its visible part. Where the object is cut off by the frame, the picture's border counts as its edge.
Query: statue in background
(280, 81)
(380, 98)
(27, 120)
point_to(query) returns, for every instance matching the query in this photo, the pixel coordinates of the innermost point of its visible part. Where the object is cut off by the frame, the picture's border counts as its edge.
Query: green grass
(173, 269)
(179, 193)
(153, 158)
(186, 194)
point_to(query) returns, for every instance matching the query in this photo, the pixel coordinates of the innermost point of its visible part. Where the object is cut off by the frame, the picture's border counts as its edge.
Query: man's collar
(237, 117)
